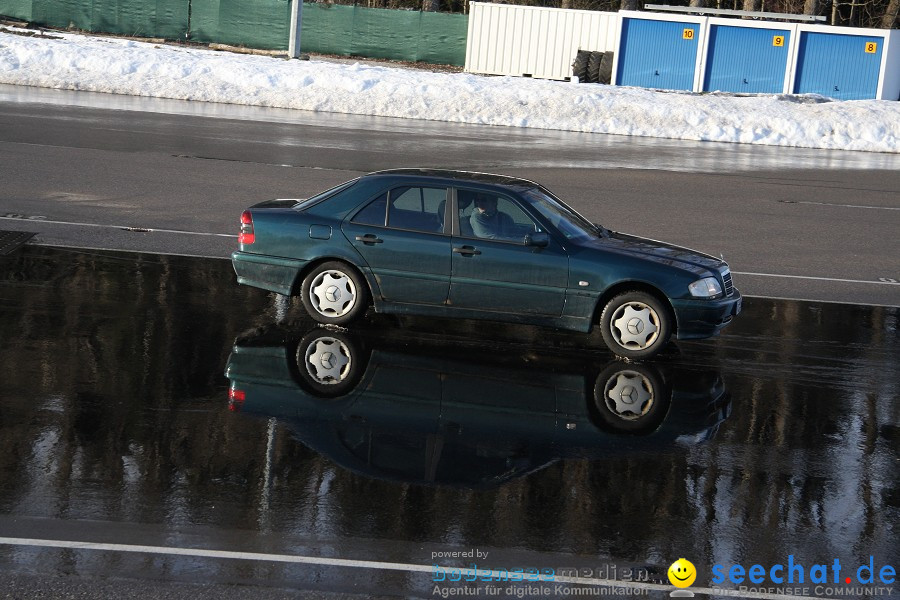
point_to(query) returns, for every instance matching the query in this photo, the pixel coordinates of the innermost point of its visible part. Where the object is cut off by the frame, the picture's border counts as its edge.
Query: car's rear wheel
(635, 325)
(334, 293)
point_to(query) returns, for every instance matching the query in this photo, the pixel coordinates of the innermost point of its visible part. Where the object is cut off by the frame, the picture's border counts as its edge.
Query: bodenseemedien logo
(682, 574)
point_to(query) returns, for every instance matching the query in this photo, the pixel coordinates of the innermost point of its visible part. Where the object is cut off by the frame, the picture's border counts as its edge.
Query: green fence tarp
(17, 9)
(384, 33)
(143, 18)
(442, 38)
(253, 23)
(326, 28)
(63, 13)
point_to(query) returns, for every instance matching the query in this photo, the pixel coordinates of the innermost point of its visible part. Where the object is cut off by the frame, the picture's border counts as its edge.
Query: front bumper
(698, 318)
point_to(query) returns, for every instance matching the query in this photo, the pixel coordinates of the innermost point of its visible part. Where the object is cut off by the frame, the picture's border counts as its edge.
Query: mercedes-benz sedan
(478, 246)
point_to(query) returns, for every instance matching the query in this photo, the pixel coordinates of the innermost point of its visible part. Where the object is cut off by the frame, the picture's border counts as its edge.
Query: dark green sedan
(478, 246)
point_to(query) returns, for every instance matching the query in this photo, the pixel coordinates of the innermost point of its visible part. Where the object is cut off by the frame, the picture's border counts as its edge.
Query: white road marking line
(368, 564)
(842, 205)
(122, 227)
(818, 278)
(228, 235)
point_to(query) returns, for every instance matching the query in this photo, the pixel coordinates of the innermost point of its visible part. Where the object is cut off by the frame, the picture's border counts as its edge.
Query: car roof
(457, 177)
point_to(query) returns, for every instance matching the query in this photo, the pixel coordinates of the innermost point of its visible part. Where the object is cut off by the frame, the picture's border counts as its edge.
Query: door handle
(369, 239)
(467, 250)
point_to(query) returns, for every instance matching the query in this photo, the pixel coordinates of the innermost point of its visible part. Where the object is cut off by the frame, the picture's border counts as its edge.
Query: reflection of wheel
(329, 362)
(631, 398)
(334, 293)
(635, 325)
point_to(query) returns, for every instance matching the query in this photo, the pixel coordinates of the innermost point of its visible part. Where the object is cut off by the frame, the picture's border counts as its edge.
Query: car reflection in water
(417, 410)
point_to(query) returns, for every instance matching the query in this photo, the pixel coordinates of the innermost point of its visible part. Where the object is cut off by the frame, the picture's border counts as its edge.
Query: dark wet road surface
(779, 438)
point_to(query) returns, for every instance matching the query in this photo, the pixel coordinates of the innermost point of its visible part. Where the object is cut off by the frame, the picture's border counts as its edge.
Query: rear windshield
(310, 202)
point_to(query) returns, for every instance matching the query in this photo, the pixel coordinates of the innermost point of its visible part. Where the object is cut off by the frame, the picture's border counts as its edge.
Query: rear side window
(417, 208)
(409, 208)
(374, 212)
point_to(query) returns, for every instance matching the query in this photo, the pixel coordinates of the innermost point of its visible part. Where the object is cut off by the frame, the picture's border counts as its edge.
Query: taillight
(247, 236)
(236, 399)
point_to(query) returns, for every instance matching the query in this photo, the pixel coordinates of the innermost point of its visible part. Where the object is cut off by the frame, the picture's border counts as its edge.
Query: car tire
(635, 325)
(633, 399)
(334, 293)
(580, 66)
(329, 363)
(606, 65)
(593, 69)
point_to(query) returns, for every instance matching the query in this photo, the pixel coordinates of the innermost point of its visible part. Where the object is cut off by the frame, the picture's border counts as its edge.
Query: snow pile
(119, 66)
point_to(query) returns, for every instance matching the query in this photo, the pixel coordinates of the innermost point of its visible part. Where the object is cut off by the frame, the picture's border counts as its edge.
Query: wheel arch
(297, 285)
(622, 287)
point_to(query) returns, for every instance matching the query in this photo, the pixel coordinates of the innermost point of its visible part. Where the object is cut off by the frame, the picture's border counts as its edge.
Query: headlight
(705, 288)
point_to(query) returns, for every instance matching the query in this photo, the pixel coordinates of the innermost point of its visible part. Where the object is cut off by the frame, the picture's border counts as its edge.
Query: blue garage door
(658, 54)
(746, 59)
(845, 67)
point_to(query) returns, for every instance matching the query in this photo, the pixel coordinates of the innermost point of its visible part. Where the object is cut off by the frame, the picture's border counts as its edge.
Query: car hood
(661, 252)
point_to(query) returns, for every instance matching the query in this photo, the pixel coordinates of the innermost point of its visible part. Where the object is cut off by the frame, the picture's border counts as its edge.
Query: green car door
(502, 259)
(402, 236)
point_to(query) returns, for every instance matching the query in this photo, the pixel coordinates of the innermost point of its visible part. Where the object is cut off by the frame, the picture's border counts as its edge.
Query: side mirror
(538, 239)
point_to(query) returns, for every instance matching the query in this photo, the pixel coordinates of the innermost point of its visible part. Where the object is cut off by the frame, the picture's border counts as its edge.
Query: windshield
(304, 204)
(565, 219)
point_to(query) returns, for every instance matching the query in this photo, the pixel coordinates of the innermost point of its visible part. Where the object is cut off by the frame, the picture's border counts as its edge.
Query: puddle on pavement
(779, 438)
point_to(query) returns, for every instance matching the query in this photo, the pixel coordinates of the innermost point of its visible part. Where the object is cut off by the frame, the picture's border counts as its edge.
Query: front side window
(565, 219)
(486, 215)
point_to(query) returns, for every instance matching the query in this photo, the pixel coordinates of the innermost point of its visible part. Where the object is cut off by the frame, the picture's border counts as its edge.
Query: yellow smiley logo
(682, 573)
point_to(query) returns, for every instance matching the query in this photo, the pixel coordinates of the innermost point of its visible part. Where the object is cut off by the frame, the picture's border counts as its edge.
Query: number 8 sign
(871, 47)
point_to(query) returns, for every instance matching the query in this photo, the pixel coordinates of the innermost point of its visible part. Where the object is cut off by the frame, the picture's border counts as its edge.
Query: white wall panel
(525, 40)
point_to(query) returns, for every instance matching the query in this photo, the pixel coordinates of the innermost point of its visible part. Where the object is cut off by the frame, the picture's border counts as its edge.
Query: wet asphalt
(94, 170)
(149, 401)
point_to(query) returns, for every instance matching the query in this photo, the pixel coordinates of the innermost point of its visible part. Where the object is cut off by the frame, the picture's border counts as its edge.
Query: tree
(752, 5)
(891, 14)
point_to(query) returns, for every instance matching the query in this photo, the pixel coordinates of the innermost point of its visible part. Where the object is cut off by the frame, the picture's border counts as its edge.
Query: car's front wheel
(334, 293)
(635, 325)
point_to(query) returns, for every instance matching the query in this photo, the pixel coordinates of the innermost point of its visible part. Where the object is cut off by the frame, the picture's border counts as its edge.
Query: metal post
(296, 21)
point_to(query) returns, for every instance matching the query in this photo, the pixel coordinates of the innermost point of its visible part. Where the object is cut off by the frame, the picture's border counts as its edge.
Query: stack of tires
(593, 66)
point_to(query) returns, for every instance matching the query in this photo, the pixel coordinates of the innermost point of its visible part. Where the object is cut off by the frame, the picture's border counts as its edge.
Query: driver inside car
(488, 222)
